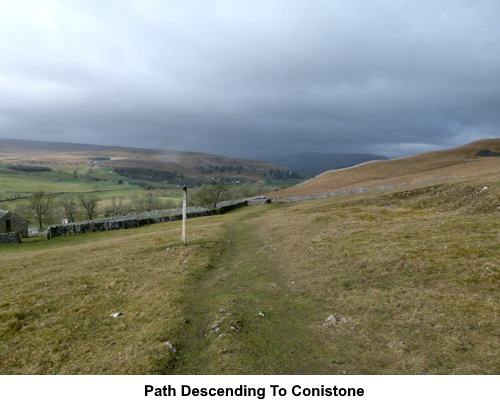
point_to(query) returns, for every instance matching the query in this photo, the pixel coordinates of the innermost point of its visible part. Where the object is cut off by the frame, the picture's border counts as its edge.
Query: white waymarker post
(184, 214)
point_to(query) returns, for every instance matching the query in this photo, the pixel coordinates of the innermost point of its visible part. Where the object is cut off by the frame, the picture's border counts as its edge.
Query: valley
(389, 281)
(122, 179)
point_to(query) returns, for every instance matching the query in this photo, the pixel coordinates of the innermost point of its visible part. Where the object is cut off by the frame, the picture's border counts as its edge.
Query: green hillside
(121, 179)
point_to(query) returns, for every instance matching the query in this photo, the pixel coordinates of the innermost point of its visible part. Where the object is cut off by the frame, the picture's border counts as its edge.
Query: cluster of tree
(23, 168)
(207, 196)
(143, 173)
(43, 208)
(210, 195)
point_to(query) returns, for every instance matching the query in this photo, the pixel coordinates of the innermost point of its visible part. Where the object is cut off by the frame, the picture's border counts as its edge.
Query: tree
(89, 205)
(116, 206)
(149, 202)
(208, 195)
(68, 207)
(39, 205)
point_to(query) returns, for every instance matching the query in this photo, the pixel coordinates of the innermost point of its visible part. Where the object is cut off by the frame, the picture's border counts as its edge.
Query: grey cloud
(252, 77)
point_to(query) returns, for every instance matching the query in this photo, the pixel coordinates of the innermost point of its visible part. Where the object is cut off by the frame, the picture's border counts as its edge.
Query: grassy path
(242, 315)
(350, 286)
(405, 299)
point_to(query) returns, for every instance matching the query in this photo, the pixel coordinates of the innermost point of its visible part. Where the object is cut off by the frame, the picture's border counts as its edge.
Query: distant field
(194, 167)
(131, 178)
(15, 187)
(57, 181)
(401, 282)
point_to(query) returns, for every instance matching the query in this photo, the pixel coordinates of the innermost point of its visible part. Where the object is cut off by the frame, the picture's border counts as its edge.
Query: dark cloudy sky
(252, 78)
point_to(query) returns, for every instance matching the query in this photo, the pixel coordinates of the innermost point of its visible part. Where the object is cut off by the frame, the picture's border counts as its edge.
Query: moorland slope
(446, 164)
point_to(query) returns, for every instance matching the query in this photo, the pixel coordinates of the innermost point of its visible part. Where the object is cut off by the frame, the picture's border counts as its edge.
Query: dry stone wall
(12, 237)
(136, 220)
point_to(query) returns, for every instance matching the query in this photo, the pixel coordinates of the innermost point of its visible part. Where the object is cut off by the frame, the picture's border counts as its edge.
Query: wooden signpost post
(184, 214)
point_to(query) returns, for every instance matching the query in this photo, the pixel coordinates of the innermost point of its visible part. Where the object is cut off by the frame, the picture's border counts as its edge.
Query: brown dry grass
(416, 285)
(453, 163)
(57, 297)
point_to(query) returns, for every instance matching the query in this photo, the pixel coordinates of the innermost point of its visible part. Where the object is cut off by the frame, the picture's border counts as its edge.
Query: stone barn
(10, 222)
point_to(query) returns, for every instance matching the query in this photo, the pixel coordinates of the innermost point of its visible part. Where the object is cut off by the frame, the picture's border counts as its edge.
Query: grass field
(19, 184)
(103, 184)
(402, 282)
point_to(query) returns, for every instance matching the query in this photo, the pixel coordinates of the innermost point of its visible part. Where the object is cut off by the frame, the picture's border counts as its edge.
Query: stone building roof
(2, 213)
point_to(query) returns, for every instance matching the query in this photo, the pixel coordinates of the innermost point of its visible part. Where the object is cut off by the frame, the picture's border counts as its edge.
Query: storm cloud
(252, 78)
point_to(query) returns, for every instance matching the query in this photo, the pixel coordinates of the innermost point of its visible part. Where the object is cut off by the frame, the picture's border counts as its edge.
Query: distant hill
(316, 163)
(475, 159)
(189, 165)
(21, 146)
